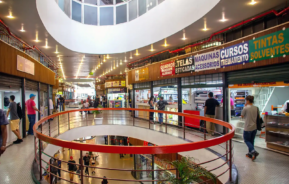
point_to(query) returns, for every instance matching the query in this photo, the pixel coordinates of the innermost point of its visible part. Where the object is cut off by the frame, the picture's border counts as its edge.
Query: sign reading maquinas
(207, 61)
(236, 54)
(185, 65)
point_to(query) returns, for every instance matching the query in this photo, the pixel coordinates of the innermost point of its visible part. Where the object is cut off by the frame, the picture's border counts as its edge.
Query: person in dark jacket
(53, 169)
(161, 106)
(96, 101)
(71, 168)
(19, 111)
(104, 181)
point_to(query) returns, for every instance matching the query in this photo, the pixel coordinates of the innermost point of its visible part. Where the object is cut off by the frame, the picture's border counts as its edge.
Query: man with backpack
(161, 106)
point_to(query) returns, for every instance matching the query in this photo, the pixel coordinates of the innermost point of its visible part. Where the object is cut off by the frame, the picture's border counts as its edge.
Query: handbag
(259, 120)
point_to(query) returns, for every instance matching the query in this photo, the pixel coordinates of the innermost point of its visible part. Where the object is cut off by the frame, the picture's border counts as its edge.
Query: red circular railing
(206, 143)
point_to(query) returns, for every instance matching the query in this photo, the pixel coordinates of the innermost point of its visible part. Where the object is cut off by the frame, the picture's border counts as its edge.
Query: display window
(270, 97)
(116, 100)
(142, 97)
(170, 95)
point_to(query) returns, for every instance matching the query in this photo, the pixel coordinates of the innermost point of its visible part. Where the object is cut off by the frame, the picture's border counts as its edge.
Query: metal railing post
(86, 118)
(230, 161)
(81, 166)
(166, 125)
(205, 129)
(40, 160)
(49, 132)
(133, 117)
(177, 172)
(68, 121)
(153, 168)
(58, 125)
(226, 146)
(184, 130)
(50, 178)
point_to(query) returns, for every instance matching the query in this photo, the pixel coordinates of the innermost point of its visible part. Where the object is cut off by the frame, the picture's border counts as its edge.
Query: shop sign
(234, 55)
(207, 61)
(136, 75)
(269, 46)
(261, 84)
(185, 65)
(108, 84)
(115, 84)
(167, 68)
(116, 90)
(142, 74)
(25, 65)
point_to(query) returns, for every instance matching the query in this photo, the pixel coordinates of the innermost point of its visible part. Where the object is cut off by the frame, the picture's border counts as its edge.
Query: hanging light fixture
(22, 28)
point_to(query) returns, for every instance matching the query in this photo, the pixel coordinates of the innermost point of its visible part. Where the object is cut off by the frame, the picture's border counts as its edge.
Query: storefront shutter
(274, 73)
(44, 87)
(31, 85)
(7, 81)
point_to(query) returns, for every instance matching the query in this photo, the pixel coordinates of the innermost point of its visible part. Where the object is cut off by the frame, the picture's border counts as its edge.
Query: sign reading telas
(184, 65)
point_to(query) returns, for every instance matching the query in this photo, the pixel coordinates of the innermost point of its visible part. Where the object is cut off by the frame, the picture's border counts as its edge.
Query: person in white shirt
(50, 108)
(85, 106)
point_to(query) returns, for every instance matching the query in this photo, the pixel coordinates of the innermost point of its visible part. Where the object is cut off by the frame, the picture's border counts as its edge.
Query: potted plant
(97, 112)
(189, 172)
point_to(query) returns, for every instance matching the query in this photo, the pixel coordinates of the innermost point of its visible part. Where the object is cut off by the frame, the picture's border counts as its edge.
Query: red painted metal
(137, 149)
(216, 33)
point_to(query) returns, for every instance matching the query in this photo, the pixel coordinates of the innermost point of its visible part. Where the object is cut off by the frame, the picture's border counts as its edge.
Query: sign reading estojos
(167, 68)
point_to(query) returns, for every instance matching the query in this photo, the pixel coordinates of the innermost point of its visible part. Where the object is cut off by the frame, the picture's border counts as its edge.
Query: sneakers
(18, 141)
(254, 155)
(249, 155)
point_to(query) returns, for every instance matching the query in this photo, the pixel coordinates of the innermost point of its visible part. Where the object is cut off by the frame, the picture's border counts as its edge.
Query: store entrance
(268, 97)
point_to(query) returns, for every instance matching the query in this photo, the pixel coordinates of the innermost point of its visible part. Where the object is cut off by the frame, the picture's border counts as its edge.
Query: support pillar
(23, 82)
(179, 84)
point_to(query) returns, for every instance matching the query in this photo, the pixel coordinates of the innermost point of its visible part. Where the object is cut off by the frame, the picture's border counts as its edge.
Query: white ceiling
(25, 13)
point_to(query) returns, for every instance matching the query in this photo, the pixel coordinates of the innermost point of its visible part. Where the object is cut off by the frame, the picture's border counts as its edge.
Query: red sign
(167, 68)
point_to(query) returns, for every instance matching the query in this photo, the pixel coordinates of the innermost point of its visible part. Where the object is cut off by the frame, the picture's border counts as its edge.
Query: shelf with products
(169, 118)
(277, 132)
(239, 100)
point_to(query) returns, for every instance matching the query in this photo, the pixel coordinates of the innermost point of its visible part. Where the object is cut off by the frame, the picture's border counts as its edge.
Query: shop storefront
(195, 90)
(270, 88)
(116, 93)
(142, 93)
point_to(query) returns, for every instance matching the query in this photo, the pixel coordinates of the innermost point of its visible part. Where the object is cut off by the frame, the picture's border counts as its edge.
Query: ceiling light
(56, 51)
(62, 71)
(10, 16)
(130, 55)
(1, 1)
(125, 59)
(165, 44)
(104, 60)
(136, 52)
(205, 26)
(152, 48)
(116, 63)
(107, 56)
(46, 44)
(78, 69)
(22, 28)
(184, 35)
(223, 18)
(252, 2)
(36, 37)
(120, 63)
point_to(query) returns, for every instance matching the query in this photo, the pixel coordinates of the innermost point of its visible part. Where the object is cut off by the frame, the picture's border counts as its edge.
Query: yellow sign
(261, 84)
(115, 84)
(143, 74)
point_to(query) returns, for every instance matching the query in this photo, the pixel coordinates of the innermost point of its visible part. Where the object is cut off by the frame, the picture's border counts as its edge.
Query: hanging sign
(184, 65)
(167, 68)
(25, 65)
(136, 73)
(234, 55)
(269, 46)
(207, 61)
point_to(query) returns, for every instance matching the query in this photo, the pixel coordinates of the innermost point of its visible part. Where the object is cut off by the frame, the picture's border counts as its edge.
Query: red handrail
(137, 149)
(214, 34)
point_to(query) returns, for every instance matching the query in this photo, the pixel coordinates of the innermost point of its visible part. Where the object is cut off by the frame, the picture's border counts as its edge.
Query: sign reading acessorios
(207, 61)
(184, 65)
(268, 46)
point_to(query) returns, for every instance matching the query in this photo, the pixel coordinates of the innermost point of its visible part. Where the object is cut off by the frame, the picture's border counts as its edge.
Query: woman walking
(151, 103)
(93, 163)
(250, 115)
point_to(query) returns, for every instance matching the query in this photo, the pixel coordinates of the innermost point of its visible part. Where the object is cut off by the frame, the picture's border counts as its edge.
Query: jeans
(86, 170)
(161, 117)
(31, 118)
(60, 107)
(249, 137)
(151, 116)
(104, 105)
(59, 173)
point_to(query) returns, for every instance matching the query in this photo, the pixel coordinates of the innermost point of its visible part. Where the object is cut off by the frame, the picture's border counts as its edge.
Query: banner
(185, 65)
(207, 61)
(234, 55)
(261, 84)
(268, 46)
(25, 65)
(144, 74)
(167, 68)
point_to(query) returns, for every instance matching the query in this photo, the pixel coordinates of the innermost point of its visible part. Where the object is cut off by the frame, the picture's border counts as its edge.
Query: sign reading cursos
(167, 68)
(184, 65)
(207, 61)
(236, 54)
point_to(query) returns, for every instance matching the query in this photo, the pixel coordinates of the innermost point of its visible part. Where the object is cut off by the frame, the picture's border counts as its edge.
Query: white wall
(279, 96)
(152, 136)
(162, 21)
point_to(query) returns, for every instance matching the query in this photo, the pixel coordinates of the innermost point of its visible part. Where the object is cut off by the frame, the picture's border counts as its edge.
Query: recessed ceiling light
(10, 16)
(56, 50)
(253, 2)
(184, 35)
(152, 48)
(205, 26)
(1, 1)
(130, 55)
(165, 43)
(22, 28)
(46, 44)
(223, 18)
(136, 52)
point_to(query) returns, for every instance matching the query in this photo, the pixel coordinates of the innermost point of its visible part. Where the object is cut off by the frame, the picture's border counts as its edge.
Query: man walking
(86, 160)
(161, 106)
(14, 119)
(209, 111)
(31, 112)
(61, 102)
(3, 131)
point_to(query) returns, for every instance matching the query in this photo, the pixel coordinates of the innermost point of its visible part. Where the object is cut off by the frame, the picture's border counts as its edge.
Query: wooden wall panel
(8, 65)
(154, 68)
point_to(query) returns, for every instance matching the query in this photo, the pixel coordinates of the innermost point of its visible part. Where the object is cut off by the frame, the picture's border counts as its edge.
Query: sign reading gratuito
(207, 61)
(234, 55)
(269, 46)
(167, 68)
(184, 65)
(24, 65)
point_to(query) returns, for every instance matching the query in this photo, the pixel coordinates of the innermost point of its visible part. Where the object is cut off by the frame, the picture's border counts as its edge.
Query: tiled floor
(15, 164)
